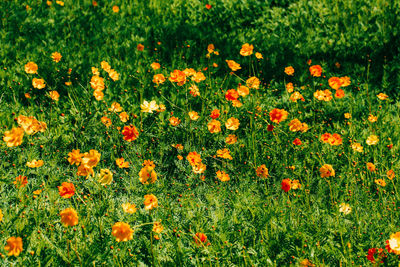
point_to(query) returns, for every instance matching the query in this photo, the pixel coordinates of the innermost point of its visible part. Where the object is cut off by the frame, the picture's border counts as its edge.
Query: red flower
(215, 114)
(208, 6)
(200, 238)
(130, 133)
(66, 190)
(297, 142)
(380, 255)
(231, 95)
(286, 184)
(270, 128)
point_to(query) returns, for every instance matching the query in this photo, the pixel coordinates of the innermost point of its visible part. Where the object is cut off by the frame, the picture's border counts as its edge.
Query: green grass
(248, 220)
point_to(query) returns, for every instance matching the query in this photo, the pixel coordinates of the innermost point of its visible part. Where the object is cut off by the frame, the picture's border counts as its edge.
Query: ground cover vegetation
(165, 133)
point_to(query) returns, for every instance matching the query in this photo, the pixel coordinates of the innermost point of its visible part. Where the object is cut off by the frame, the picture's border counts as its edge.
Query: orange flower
(339, 93)
(178, 76)
(20, 181)
(106, 121)
(393, 244)
(113, 75)
(91, 159)
(66, 190)
(105, 66)
(210, 47)
(246, 50)
(198, 77)
(231, 94)
(84, 170)
(56, 57)
(335, 83)
(155, 65)
(31, 68)
(38, 83)
(215, 114)
(98, 94)
(380, 182)
(214, 126)
(123, 116)
(371, 167)
(296, 96)
(315, 70)
(390, 174)
(75, 157)
(223, 176)
(194, 90)
(382, 96)
(297, 142)
(13, 137)
(289, 87)
(253, 82)
(335, 140)
(157, 227)
(115, 9)
(325, 95)
(289, 70)
(69, 217)
(130, 133)
(232, 124)
(278, 115)
(54, 95)
(129, 208)
(231, 139)
(140, 47)
(150, 202)
(31, 125)
(345, 81)
(147, 175)
(243, 90)
(122, 231)
(224, 153)
(174, 121)
(233, 65)
(14, 246)
(295, 126)
(326, 171)
(194, 158)
(372, 118)
(199, 168)
(97, 83)
(149, 163)
(262, 171)
(1, 215)
(189, 72)
(193, 115)
(95, 71)
(121, 163)
(200, 239)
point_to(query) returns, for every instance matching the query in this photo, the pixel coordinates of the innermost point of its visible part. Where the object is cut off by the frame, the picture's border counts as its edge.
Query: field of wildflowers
(130, 151)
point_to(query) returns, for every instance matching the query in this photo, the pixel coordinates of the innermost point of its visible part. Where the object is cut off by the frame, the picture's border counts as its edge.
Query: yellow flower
(38, 83)
(106, 121)
(31, 68)
(54, 95)
(243, 90)
(129, 208)
(14, 246)
(326, 171)
(105, 177)
(357, 147)
(347, 115)
(155, 65)
(194, 115)
(158, 78)
(56, 57)
(61, 3)
(214, 126)
(1, 216)
(394, 243)
(84, 170)
(98, 94)
(380, 182)
(150, 202)
(149, 107)
(223, 176)
(344, 208)
(147, 175)
(246, 50)
(372, 118)
(372, 140)
(122, 231)
(157, 227)
(69, 217)
(13, 137)
(253, 82)
(35, 163)
(95, 71)
(199, 168)
(232, 124)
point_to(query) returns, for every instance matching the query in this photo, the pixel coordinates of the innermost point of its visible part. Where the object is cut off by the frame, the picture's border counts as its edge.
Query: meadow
(192, 133)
